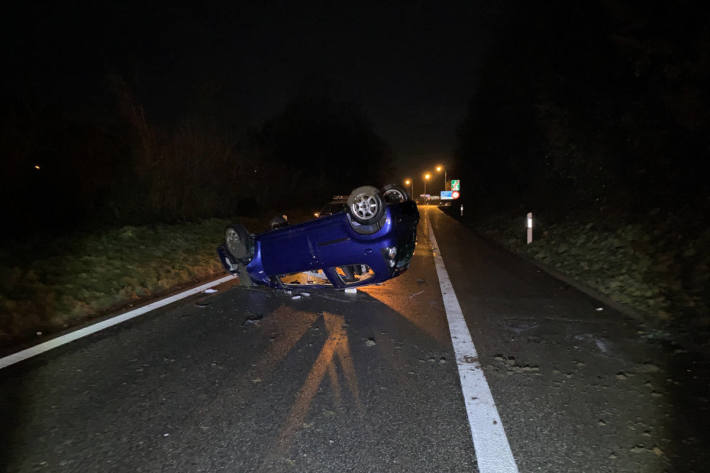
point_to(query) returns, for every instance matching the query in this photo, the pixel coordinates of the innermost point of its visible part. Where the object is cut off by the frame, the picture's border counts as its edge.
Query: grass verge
(49, 284)
(653, 263)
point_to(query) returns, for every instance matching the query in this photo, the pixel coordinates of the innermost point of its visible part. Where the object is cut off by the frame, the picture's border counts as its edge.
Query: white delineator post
(529, 225)
(462, 210)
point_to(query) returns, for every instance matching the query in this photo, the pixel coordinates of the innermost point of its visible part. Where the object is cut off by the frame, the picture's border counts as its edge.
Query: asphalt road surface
(253, 380)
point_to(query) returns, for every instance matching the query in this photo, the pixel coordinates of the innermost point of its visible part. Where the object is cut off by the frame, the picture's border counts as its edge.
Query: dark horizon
(600, 101)
(410, 70)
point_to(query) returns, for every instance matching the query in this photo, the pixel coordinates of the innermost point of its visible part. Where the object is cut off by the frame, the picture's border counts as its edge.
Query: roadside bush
(657, 268)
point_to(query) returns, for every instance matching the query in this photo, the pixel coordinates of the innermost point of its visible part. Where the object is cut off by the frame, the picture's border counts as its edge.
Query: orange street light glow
(37, 166)
(427, 176)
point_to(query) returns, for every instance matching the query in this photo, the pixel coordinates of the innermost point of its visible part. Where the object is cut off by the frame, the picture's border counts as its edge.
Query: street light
(427, 176)
(408, 182)
(439, 168)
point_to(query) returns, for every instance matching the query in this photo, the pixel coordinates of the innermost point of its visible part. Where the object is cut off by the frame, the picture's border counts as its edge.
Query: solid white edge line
(104, 324)
(490, 443)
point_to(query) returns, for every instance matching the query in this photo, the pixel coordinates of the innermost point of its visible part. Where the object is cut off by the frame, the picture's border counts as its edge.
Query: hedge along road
(253, 380)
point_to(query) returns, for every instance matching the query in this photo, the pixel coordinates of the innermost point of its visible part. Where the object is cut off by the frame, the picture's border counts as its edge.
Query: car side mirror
(278, 222)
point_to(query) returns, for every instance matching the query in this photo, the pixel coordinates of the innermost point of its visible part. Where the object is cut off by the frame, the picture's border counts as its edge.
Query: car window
(332, 207)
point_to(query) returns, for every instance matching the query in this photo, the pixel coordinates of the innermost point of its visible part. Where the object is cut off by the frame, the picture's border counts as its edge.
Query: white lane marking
(91, 329)
(493, 453)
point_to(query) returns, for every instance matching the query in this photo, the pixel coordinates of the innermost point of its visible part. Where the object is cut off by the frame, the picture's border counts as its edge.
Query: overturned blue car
(370, 241)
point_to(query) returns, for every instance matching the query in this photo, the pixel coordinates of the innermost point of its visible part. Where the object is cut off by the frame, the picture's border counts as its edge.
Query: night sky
(412, 66)
(605, 102)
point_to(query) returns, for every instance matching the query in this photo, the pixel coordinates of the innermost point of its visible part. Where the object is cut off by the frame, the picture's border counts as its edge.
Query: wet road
(252, 380)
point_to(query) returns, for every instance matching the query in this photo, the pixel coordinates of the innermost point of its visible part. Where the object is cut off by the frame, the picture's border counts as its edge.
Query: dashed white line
(104, 324)
(493, 453)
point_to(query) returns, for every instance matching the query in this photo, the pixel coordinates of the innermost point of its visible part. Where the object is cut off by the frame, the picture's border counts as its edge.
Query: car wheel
(236, 239)
(394, 194)
(365, 205)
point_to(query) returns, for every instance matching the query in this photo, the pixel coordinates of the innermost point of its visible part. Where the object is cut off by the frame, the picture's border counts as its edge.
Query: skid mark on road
(493, 453)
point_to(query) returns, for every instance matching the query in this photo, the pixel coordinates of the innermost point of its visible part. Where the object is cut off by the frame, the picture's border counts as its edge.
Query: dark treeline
(598, 105)
(119, 164)
(140, 113)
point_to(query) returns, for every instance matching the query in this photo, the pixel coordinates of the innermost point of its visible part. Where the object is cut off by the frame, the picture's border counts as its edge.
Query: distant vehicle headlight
(316, 214)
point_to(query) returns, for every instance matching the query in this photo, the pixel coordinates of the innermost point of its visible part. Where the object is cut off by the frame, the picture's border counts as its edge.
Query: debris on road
(646, 368)
(370, 342)
(253, 319)
(601, 345)
(514, 366)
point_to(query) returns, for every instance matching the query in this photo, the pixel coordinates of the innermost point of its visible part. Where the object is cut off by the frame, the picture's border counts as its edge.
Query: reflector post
(529, 225)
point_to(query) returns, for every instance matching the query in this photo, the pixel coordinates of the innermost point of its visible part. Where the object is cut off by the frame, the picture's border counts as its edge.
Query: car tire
(237, 241)
(394, 194)
(365, 205)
